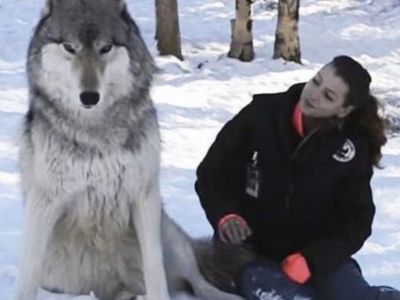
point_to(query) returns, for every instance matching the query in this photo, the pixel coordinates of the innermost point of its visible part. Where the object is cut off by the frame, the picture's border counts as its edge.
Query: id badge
(253, 180)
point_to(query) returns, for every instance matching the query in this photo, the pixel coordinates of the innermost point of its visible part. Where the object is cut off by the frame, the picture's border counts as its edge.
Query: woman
(290, 174)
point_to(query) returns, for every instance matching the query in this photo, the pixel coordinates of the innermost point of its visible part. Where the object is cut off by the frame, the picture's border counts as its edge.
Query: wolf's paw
(91, 296)
(46, 295)
(125, 295)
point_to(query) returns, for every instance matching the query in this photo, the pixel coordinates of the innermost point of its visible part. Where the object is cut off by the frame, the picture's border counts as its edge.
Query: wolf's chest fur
(93, 189)
(99, 184)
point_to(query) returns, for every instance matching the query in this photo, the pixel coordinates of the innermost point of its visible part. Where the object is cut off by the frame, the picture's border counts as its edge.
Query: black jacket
(314, 195)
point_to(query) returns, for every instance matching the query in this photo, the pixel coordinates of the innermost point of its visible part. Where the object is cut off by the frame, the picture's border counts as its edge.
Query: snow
(197, 96)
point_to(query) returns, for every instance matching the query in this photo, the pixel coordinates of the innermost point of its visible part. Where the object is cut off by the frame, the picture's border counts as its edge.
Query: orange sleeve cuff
(296, 268)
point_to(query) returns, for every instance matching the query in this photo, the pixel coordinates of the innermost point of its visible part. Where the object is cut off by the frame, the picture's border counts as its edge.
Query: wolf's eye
(69, 48)
(106, 49)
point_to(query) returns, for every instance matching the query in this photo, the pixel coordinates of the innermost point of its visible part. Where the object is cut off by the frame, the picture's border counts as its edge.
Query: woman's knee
(346, 283)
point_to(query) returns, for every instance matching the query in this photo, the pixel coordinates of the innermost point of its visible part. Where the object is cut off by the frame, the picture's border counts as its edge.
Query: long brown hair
(365, 117)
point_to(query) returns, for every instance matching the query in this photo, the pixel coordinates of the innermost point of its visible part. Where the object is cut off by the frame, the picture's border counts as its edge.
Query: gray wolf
(89, 159)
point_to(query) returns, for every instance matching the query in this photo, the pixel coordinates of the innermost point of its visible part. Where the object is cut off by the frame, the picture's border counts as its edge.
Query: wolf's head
(87, 55)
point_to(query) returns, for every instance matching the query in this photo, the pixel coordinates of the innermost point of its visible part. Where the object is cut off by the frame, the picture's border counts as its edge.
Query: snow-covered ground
(196, 97)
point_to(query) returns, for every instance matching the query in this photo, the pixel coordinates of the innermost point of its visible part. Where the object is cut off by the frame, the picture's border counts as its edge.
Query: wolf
(89, 160)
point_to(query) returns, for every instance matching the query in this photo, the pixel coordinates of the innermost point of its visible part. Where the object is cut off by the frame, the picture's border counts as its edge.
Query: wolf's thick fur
(89, 160)
(192, 265)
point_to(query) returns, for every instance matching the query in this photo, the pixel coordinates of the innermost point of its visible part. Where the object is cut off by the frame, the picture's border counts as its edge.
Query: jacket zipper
(303, 142)
(295, 153)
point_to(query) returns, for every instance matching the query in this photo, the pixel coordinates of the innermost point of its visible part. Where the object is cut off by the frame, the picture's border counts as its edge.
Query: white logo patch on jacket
(346, 153)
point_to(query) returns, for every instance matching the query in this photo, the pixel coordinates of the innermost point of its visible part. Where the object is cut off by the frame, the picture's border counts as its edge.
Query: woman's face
(324, 95)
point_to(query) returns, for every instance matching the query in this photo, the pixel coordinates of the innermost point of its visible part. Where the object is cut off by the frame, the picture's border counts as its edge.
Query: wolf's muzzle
(89, 99)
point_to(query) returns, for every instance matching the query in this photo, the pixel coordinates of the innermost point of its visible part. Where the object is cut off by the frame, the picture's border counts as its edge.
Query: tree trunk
(242, 37)
(167, 28)
(287, 44)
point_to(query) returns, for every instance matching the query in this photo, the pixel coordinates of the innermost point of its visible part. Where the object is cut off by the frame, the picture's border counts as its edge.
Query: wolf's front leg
(39, 220)
(147, 220)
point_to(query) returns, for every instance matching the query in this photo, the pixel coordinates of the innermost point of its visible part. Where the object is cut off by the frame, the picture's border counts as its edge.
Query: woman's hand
(233, 229)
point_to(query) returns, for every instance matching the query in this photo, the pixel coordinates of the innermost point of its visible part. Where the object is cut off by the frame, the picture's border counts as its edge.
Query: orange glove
(296, 268)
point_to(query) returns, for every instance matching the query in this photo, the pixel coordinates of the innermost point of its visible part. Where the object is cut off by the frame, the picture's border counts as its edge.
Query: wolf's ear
(48, 6)
(121, 4)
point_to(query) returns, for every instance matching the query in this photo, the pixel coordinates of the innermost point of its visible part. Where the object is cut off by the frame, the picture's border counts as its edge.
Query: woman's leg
(264, 280)
(347, 283)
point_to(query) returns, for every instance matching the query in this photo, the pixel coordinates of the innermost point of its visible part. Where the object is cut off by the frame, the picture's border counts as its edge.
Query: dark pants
(264, 280)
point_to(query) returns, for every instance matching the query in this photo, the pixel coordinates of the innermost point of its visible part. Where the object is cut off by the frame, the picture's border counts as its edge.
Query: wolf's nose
(89, 98)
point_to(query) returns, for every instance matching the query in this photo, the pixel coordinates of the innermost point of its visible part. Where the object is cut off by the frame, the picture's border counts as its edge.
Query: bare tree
(287, 44)
(167, 28)
(241, 27)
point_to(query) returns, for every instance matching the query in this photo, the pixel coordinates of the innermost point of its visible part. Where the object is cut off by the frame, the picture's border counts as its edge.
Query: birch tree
(287, 44)
(241, 27)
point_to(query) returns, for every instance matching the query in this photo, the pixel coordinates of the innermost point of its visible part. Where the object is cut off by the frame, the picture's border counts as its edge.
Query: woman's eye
(106, 49)
(69, 48)
(329, 97)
